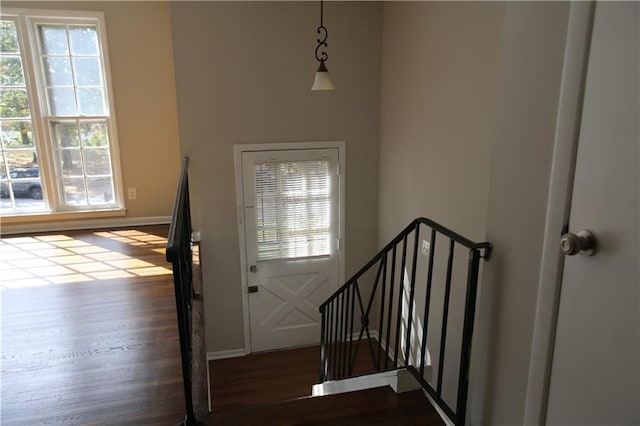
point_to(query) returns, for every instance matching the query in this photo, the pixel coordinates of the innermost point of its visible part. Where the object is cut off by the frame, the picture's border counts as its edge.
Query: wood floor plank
(379, 406)
(102, 350)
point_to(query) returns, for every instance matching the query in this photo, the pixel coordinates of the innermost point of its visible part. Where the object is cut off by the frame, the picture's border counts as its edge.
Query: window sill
(37, 222)
(54, 217)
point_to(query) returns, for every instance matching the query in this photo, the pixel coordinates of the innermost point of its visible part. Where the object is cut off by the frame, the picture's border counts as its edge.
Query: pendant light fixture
(322, 80)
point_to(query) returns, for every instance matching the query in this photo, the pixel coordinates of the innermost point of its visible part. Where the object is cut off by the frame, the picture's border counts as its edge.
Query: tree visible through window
(74, 128)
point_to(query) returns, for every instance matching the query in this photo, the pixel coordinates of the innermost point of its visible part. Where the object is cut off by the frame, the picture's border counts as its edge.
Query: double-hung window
(58, 152)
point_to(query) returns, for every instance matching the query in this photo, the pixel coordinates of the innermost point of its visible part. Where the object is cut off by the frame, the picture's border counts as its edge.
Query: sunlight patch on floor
(62, 259)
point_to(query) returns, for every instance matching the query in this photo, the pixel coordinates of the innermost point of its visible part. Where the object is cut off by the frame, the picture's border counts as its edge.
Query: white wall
(244, 72)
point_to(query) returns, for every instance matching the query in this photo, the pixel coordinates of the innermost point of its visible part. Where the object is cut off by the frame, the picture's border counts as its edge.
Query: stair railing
(179, 253)
(398, 333)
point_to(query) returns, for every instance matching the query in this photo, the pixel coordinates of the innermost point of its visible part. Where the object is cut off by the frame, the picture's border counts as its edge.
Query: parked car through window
(24, 183)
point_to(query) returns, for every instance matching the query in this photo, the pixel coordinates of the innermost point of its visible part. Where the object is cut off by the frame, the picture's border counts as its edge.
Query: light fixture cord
(321, 55)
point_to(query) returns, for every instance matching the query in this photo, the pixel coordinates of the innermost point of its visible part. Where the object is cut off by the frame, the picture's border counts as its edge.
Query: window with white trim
(58, 150)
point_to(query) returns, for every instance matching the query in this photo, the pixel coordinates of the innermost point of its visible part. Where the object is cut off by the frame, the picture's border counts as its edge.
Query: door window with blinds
(293, 207)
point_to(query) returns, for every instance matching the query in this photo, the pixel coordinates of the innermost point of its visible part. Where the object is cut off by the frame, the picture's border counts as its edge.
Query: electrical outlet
(426, 246)
(132, 193)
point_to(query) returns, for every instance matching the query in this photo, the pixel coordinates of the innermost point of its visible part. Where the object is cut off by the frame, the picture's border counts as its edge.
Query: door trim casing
(570, 102)
(238, 150)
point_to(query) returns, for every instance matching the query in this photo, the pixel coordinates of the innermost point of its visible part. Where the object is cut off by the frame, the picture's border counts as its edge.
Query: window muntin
(77, 134)
(293, 209)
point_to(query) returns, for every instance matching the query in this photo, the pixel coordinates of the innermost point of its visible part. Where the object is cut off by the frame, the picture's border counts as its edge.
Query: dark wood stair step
(371, 406)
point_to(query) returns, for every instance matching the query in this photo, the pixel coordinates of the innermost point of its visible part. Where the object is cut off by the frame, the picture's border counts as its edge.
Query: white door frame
(237, 152)
(565, 149)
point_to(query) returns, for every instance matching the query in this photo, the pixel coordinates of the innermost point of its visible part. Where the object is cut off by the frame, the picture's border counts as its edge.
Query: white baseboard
(71, 225)
(233, 353)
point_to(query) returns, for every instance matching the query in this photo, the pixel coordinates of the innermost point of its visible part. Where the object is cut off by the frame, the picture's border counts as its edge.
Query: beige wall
(438, 113)
(469, 96)
(141, 54)
(531, 69)
(439, 77)
(244, 72)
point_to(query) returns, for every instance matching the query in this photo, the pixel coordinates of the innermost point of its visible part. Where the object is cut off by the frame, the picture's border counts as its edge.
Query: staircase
(411, 308)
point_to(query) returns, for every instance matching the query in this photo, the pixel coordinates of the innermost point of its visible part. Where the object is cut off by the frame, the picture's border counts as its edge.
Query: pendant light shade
(322, 80)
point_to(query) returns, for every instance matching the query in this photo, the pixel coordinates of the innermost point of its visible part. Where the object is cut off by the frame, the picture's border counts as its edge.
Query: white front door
(595, 373)
(291, 230)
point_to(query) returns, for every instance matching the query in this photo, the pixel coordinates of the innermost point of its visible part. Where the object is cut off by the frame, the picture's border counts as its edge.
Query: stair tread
(371, 406)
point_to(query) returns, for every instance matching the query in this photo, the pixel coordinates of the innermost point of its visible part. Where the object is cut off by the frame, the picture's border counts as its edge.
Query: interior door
(291, 216)
(595, 370)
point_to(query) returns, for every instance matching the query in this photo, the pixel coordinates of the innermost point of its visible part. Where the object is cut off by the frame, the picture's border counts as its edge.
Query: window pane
(91, 102)
(87, 71)
(3, 169)
(94, 133)
(62, 101)
(293, 209)
(17, 134)
(19, 161)
(74, 192)
(84, 40)
(58, 71)
(8, 37)
(70, 162)
(97, 161)
(14, 103)
(100, 190)
(66, 133)
(11, 71)
(54, 40)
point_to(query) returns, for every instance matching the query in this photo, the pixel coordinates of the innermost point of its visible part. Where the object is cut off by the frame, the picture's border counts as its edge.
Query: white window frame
(26, 27)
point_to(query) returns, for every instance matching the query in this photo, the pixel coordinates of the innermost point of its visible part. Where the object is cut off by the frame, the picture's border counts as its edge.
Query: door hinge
(252, 289)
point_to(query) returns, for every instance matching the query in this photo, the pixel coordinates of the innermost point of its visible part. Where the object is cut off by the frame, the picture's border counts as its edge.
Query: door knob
(253, 268)
(583, 243)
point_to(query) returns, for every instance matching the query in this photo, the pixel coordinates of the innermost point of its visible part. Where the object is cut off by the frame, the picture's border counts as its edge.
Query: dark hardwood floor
(379, 406)
(274, 388)
(270, 376)
(88, 329)
(88, 336)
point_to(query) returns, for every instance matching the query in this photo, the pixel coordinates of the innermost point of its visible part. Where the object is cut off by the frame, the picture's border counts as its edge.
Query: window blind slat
(293, 209)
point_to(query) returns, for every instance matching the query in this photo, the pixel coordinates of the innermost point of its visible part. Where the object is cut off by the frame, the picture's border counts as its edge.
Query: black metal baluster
(391, 284)
(412, 294)
(380, 326)
(376, 362)
(336, 328)
(362, 327)
(323, 340)
(353, 314)
(400, 291)
(467, 332)
(331, 344)
(346, 333)
(341, 331)
(445, 316)
(427, 301)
